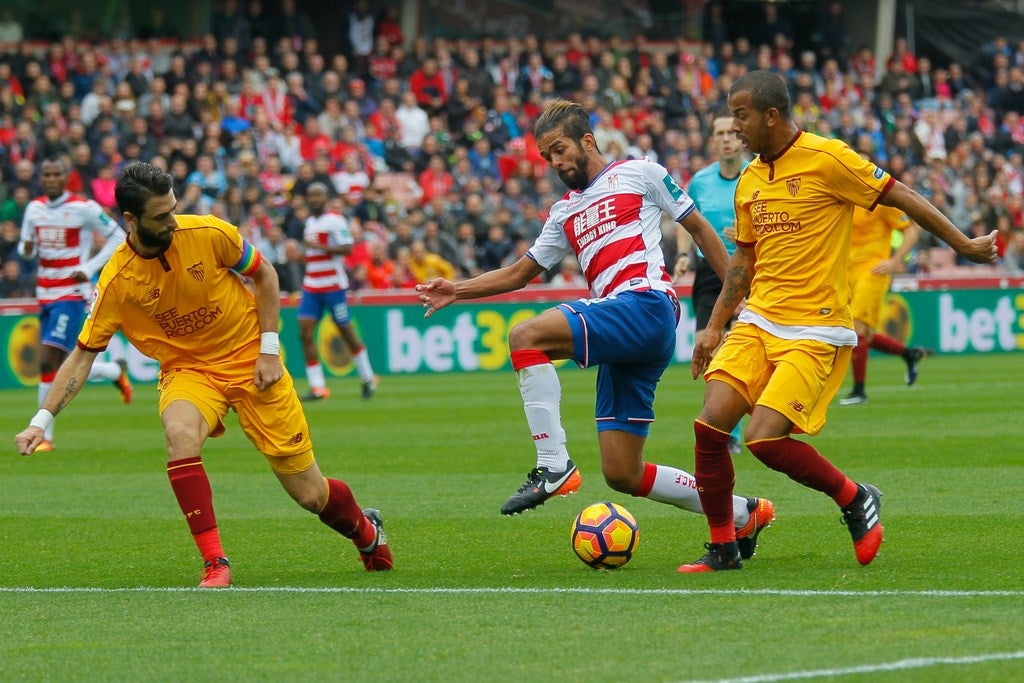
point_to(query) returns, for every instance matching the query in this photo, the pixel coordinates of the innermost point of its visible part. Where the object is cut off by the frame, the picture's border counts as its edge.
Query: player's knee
(623, 481)
(522, 337)
(308, 498)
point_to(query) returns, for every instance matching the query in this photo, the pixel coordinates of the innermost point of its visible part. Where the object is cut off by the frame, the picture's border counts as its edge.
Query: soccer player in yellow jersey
(173, 289)
(872, 263)
(786, 356)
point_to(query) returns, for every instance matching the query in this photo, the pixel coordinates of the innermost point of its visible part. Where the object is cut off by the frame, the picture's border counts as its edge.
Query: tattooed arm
(71, 376)
(735, 286)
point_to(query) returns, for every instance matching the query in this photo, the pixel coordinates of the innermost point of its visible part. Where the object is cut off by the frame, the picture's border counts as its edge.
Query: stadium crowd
(427, 144)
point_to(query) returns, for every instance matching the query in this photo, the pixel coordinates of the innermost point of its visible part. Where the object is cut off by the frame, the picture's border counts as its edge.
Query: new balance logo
(797, 406)
(296, 439)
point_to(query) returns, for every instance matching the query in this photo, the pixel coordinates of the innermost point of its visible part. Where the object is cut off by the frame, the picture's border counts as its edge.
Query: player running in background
(872, 263)
(59, 228)
(173, 290)
(786, 356)
(712, 189)
(325, 288)
(610, 221)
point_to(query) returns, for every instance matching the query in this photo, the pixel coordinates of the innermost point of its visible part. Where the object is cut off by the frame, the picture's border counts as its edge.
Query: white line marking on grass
(538, 591)
(900, 665)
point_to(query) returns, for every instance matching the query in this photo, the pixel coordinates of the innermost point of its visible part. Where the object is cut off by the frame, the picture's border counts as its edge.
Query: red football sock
(192, 489)
(885, 344)
(715, 480)
(802, 463)
(860, 361)
(342, 513)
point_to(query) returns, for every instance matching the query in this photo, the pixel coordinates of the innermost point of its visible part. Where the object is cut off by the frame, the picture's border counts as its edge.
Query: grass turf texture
(477, 596)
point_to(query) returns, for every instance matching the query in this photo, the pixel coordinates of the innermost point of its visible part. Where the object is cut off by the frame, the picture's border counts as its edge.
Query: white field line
(900, 665)
(537, 591)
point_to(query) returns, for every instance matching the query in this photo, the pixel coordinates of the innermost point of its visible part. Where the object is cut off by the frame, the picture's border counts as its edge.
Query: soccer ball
(605, 535)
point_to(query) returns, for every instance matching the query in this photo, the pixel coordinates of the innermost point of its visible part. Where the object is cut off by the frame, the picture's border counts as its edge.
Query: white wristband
(43, 419)
(270, 343)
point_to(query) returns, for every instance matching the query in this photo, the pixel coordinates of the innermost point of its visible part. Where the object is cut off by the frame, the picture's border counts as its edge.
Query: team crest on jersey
(613, 182)
(793, 185)
(197, 271)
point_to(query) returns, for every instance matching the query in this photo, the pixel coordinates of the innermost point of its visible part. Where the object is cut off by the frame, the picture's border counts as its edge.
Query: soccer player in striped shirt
(785, 357)
(325, 289)
(610, 220)
(59, 227)
(173, 289)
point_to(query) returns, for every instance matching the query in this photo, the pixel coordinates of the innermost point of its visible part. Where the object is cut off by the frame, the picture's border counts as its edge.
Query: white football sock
(679, 488)
(542, 395)
(315, 375)
(363, 367)
(105, 370)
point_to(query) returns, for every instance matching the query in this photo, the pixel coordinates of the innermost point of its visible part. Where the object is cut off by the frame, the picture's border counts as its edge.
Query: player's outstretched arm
(708, 240)
(438, 293)
(72, 374)
(735, 287)
(977, 250)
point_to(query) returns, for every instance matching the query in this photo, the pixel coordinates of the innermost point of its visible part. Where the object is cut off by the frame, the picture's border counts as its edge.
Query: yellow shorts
(869, 292)
(797, 378)
(272, 419)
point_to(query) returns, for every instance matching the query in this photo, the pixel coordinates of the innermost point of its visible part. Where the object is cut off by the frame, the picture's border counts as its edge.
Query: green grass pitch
(98, 570)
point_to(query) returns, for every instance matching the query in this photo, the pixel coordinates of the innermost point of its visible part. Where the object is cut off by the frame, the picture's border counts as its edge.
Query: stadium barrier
(983, 315)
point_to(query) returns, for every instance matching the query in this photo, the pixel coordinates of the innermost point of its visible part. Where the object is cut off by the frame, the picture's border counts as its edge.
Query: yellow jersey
(871, 241)
(795, 211)
(187, 307)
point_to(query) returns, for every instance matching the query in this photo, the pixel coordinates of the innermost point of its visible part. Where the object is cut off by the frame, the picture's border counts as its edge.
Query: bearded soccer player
(60, 227)
(785, 358)
(325, 288)
(173, 289)
(610, 221)
(872, 263)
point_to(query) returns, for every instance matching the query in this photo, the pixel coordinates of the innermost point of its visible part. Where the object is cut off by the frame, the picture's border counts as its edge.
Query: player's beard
(152, 240)
(578, 180)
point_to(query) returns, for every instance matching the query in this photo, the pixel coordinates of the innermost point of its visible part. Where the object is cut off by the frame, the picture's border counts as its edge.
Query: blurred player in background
(173, 290)
(786, 356)
(60, 227)
(872, 263)
(610, 220)
(325, 288)
(713, 189)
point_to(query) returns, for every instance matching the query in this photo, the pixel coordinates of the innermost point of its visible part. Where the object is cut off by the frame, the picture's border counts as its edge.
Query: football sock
(859, 361)
(665, 484)
(105, 370)
(802, 463)
(315, 375)
(881, 342)
(192, 489)
(362, 361)
(45, 381)
(342, 513)
(542, 393)
(715, 480)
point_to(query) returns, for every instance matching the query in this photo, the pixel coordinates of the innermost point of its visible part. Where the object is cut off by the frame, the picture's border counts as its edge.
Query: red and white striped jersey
(325, 272)
(62, 234)
(613, 227)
